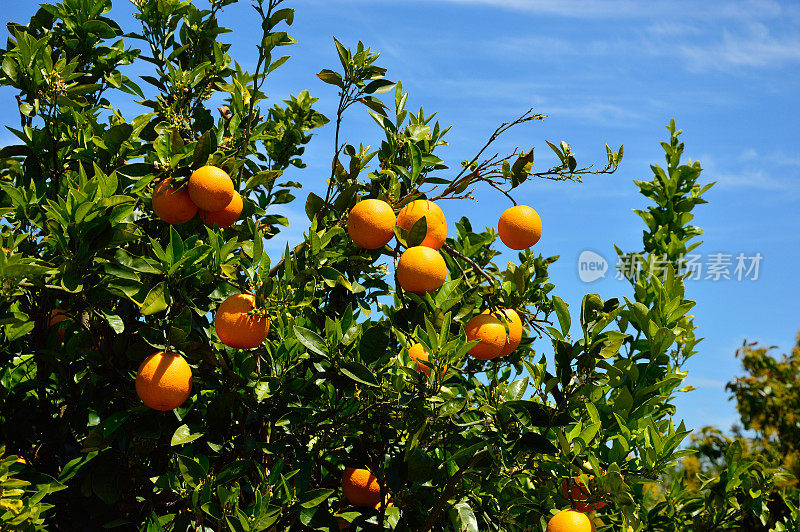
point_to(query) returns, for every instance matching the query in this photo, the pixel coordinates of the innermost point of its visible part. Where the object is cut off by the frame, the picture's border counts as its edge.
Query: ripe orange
(58, 315)
(370, 223)
(514, 324)
(421, 270)
(227, 216)
(164, 381)
(235, 327)
(570, 521)
(576, 493)
(491, 333)
(211, 188)
(173, 205)
(360, 487)
(417, 352)
(434, 218)
(520, 227)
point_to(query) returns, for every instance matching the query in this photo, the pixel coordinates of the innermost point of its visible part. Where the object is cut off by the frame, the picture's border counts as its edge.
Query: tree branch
(475, 266)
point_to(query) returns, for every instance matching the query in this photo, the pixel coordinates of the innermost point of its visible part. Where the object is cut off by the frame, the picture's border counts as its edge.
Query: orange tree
(281, 391)
(741, 481)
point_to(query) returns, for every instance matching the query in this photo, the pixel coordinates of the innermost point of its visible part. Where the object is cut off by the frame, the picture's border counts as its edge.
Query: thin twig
(475, 266)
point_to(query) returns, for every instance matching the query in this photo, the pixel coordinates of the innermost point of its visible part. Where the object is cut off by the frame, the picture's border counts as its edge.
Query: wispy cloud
(636, 9)
(755, 46)
(598, 111)
(749, 173)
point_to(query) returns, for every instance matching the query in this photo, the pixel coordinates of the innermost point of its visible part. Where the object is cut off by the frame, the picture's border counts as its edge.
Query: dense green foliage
(746, 481)
(266, 433)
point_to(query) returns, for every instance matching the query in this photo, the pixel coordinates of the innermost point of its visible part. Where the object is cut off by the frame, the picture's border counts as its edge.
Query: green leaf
(418, 232)
(402, 235)
(206, 145)
(191, 471)
(314, 498)
(72, 467)
(311, 340)
(359, 373)
(313, 205)
(465, 520)
(115, 421)
(116, 135)
(233, 471)
(331, 77)
(156, 300)
(562, 311)
(415, 157)
(452, 406)
(184, 435)
(516, 389)
(379, 86)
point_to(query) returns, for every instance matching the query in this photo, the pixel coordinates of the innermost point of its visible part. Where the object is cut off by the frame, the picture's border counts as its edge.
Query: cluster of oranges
(421, 269)
(210, 193)
(164, 380)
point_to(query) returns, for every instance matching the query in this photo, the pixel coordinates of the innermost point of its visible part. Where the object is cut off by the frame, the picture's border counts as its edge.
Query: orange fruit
(418, 353)
(570, 521)
(211, 188)
(434, 218)
(576, 493)
(58, 315)
(173, 205)
(491, 333)
(370, 223)
(421, 270)
(520, 227)
(164, 381)
(514, 324)
(227, 216)
(360, 487)
(235, 327)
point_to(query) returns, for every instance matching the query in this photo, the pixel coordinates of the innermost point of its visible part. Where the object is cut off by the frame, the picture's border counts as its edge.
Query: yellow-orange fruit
(577, 494)
(164, 381)
(173, 205)
(421, 270)
(418, 353)
(370, 223)
(570, 521)
(227, 216)
(520, 227)
(491, 333)
(360, 487)
(434, 218)
(235, 327)
(211, 188)
(514, 324)
(58, 315)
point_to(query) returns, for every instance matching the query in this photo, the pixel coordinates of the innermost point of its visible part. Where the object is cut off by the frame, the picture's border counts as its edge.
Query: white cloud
(637, 9)
(756, 46)
(597, 111)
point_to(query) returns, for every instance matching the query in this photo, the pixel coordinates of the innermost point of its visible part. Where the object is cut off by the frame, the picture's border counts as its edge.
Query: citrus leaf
(184, 435)
(359, 373)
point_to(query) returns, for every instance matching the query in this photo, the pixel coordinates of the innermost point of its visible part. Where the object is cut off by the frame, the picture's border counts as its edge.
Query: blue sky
(611, 72)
